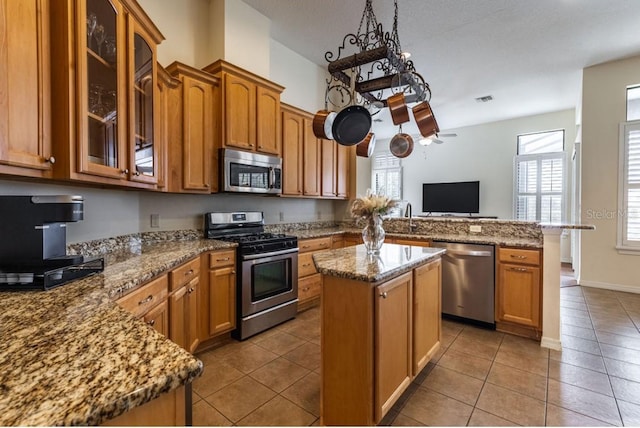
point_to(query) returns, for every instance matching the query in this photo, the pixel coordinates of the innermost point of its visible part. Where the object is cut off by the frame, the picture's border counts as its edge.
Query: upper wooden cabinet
(165, 114)
(250, 108)
(192, 157)
(104, 92)
(25, 122)
(336, 160)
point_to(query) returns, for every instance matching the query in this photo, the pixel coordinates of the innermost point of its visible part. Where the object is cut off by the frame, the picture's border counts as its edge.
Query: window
(633, 103)
(629, 187)
(386, 175)
(539, 177)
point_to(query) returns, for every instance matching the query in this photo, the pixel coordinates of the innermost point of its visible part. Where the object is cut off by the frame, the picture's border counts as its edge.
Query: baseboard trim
(554, 344)
(609, 286)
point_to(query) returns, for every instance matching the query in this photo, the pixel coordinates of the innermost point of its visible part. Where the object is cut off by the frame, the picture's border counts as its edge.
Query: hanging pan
(365, 147)
(425, 119)
(353, 123)
(323, 123)
(398, 108)
(401, 145)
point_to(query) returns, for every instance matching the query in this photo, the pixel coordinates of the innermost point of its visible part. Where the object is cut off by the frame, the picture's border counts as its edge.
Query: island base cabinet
(427, 321)
(169, 409)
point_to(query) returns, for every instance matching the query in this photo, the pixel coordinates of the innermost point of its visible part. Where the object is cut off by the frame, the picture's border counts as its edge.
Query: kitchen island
(380, 326)
(73, 356)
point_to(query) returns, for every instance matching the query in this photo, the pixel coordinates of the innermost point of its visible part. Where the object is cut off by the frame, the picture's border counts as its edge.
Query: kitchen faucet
(408, 212)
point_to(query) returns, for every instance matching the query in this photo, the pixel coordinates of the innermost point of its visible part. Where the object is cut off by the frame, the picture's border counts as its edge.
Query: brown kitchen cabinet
(309, 280)
(192, 156)
(427, 324)
(405, 241)
(218, 294)
(183, 305)
(519, 291)
(351, 239)
(300, 154)
(166, 114)
(104, 92)
(149, 303)
(344, 155)
(335, 169)
(337, 241)
(25, 109)
(250, 109)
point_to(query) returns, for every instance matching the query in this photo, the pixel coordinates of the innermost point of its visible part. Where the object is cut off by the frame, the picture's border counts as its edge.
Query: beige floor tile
(578, 322)
(439, 353)
(581, 332)
(523, 346)
(511, 405)
(447, 339)
(573, 305)
(451, 327)
(432, 408)
(204, 415)
(489, 337)
(305, 393)
(311, 314)
(630, 413)
(529, 384)
(306, 355)
(453, 384)
(578, 298)
(580, 359)
(249, 359)
(264, 335)
(278, 412)
(630, 331)
(281, 343)
(618, 353)
(405, 421)
(240, 398)
(279, 374)
(215, 354)
(195, 397)
(610, 307)
(480, 418)
(626, 390)
(316, 423)
(303, 329)
(560, 417)
(578, 344)
(578, 376)
(576, 313)
(623, 369)
(474, 347)
(465, 363)
(619, 340)
(532, 364)
(216, 375)
(583, 401)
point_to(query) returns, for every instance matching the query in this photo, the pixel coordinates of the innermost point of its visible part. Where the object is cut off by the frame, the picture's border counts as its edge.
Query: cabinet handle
(206, 185)
(233, 272)
(51, 160)
(260, 146)
(191, 290)
(306, 265)
(189, 272)
(514, 256)
(305, 289)
(151, 322)
(136, 173)
(226, 259)
(519, 269)
(124, 171)
(304, 247)
(384, 294)
(146, 300)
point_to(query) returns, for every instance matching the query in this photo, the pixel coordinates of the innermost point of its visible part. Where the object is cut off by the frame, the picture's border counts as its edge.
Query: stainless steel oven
(250, 172)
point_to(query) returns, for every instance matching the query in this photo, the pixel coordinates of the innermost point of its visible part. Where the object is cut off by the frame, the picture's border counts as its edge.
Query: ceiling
(528, 55)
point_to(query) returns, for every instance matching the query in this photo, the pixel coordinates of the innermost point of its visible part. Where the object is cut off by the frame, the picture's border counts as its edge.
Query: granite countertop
(354, 262)
(316, 233)
(72, 356)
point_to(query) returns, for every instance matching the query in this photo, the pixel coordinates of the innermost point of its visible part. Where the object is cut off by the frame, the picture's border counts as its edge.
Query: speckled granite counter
(354, 262)
(72, 356)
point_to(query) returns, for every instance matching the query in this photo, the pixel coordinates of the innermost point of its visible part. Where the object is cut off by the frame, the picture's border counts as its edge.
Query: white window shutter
(630, 207)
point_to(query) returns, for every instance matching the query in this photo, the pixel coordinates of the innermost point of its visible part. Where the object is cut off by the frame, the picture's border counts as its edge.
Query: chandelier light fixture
(369, 72)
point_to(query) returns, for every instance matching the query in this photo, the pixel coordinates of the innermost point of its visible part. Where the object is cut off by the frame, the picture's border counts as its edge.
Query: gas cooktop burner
(258, 237)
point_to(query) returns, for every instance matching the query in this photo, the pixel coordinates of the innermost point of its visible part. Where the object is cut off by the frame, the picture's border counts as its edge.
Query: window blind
(630, 206)
(386, 175)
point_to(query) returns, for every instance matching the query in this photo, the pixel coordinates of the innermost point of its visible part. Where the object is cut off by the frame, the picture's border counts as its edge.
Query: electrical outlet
(281, 216)
(319, 215)
(475, 228)
(155, 220)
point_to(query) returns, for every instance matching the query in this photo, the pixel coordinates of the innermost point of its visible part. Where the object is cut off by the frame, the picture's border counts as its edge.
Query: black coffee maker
(33, 242)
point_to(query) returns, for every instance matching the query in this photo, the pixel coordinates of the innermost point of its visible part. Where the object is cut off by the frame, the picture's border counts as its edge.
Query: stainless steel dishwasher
(468, 281)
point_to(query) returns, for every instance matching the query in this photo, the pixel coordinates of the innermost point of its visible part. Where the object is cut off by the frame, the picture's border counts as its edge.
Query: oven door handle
(272, 254)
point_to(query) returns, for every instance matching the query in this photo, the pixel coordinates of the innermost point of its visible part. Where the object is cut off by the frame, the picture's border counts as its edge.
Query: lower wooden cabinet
(158, 318)
(183, 310)
(309, 280)
(149, 303)
(427, 306)
(169, 409)
(218, 294)
(519, 291)
(404, 241)
(351, 239)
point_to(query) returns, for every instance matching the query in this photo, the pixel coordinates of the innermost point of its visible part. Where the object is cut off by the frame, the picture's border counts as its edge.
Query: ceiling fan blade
(437, 140)
(448, 135)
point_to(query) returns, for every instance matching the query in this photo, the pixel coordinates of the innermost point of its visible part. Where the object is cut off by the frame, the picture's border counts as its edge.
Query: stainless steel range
(267, 266)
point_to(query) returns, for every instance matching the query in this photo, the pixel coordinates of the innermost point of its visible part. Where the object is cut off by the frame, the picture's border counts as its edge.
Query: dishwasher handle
(470, 253)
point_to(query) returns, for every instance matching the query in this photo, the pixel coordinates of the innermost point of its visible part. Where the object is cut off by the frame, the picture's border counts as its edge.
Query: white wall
(603, 108)
(482, 152)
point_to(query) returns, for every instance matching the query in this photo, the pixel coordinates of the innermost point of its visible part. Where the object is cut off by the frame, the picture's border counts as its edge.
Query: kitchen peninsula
(380, 327)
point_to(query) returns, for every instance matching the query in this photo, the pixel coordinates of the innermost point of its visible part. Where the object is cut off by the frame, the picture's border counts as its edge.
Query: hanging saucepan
(425, 119)
(365, 147)
(353, 123)
(323, 123)
(398, 108)
(401, 145)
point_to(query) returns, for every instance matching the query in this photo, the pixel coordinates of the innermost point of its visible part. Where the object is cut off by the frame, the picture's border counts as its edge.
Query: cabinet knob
(226, 259)
(146, 300)
(125, 171)
(151, 322)
(191, 290)
(233, 272)
(136, 173)
(514, 256)
(206, 185)
(384, 294)
(519, 269)
(50, 160)
(189, 272)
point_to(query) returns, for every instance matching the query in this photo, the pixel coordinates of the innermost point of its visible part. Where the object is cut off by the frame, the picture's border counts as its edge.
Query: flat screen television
(459, 197)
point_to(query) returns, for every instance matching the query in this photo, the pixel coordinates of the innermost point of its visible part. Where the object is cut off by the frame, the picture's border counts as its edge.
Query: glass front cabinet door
(115, 91)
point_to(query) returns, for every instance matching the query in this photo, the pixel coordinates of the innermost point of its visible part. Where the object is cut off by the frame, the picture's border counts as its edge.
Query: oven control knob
(260, 248)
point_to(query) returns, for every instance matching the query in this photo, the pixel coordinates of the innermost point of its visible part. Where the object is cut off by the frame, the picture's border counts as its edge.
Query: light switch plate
(155, 220)
(475, 228)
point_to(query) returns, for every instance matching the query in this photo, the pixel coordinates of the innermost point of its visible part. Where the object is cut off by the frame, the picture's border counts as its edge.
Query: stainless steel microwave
(250, 172)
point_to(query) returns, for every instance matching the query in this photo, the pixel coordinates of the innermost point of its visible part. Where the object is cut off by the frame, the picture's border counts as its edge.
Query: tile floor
(478, 378)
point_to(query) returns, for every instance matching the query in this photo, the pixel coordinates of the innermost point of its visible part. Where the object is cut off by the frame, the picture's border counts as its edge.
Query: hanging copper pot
(425, 119)
(365, 147)
(322, 124)
(398, 108)
(401, 145)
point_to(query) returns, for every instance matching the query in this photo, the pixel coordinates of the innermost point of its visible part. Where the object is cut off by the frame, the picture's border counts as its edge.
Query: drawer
(518, 255)
(415, 243)
(306, 266)
(307, 245)
(309, 287)
(184, 273)
(149, 295)
(222, 258)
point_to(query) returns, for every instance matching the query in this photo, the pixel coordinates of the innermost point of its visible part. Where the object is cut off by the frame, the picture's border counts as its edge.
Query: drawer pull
(146, 300)
(384, 295)
(306, 264)
(305, 246)
(226, 259)
(189, 272)
(519, 269)
(305, 289)
(151, 322)
(515, 256)
(191, 290)
(233, 272)
(51, 160)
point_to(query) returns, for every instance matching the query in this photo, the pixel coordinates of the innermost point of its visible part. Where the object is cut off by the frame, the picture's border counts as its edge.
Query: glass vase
(373, 234)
